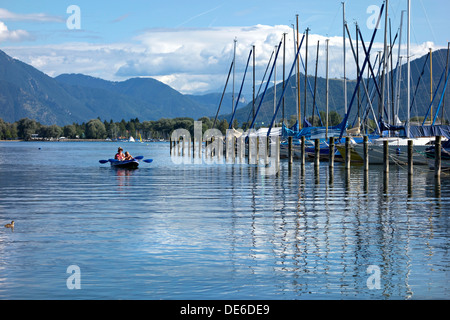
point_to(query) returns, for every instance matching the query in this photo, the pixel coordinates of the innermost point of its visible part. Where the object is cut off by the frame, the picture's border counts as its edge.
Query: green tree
(95, 129)
(27, 127)
(70, 131)
(52, 131)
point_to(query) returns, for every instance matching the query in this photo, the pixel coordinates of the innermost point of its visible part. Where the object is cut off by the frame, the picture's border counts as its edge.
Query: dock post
(189, 147)
(347, 153)
(332, 151)
(303, 156)
(410, 157)
(386, 156)
(437, 157)
(316, 152)
(277, 150)
(170, 145)
(248, 144)
(240, 149)
(290, 152)
(366, 153)
(257, 150)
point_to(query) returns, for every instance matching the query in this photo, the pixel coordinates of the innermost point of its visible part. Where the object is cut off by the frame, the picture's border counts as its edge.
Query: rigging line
(418, 82)
(262, 82)
(310, 90)
(381, 61)
(434, 96)
(224, 89)
(362, 80)
(442, 97)
(284, 89)
(239, 95)
(361, 73)
(265, 90)
(428, 21)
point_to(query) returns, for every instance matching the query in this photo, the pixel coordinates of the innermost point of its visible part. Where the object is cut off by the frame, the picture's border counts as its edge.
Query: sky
(189, 45)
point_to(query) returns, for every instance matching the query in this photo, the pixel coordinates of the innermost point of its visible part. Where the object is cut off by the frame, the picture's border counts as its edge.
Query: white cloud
(190, 60)
(13, 35)
(37, 17)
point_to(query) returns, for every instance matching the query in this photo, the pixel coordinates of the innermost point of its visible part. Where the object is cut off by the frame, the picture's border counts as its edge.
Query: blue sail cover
(429, 131)
(312, 132)
(419, 131)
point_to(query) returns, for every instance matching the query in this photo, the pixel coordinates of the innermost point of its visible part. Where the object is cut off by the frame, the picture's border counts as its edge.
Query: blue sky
(189, 44)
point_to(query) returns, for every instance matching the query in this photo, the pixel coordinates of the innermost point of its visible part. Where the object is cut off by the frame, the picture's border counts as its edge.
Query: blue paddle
(137, 158)
(148, 160)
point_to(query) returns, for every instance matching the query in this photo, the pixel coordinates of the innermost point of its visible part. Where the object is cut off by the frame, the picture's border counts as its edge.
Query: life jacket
(119, 157)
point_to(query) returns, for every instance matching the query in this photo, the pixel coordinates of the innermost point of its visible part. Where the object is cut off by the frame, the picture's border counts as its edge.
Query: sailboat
(422, 136)
(131, 139)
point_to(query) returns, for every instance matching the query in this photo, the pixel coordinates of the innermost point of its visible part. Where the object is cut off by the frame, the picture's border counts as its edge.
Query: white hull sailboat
(398, 150)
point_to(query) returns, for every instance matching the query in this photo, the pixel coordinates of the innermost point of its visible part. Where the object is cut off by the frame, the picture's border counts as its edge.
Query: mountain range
(26, 92)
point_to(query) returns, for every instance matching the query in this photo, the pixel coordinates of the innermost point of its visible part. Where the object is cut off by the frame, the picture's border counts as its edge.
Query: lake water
(215, 231)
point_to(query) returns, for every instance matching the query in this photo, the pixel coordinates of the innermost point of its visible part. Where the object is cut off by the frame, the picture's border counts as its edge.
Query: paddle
(137, 158)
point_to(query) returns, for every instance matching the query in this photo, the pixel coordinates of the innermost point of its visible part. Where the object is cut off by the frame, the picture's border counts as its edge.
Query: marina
(216, 231)
(318, 188)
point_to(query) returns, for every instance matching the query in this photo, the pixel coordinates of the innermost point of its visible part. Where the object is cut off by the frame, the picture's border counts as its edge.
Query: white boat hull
(398, 150)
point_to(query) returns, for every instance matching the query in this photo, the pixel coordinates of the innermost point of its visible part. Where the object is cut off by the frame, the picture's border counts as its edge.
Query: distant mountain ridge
(26, 92)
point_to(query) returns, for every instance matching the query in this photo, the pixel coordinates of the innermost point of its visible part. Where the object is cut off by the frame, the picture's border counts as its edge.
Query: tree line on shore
(28, 129)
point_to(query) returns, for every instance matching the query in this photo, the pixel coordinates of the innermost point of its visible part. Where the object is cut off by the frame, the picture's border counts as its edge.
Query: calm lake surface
(215, 231)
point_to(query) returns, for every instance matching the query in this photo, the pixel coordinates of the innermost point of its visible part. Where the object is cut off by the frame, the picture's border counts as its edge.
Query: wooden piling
(291, 151)
(410, 157)
(332, 152)
(189, 147)
(302, 156)
(437, 157)
(347, 152)
(316, 152)
(386, 156)
(366, 153)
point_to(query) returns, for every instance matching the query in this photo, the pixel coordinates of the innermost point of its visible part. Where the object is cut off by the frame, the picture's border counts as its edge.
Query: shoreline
(72, 140)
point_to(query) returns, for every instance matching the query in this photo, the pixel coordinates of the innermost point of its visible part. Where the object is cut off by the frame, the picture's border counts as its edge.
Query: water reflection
(213, 231)
(324, 236)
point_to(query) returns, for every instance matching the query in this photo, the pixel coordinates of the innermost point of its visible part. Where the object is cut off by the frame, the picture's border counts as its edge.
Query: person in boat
(119, 155)
(128, 156)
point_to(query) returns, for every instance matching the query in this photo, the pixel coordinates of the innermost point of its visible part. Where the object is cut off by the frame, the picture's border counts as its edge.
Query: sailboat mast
(446, 75)
(254, 80)
(343, 44)
(399, 68)
(384, 61)
(284, 71)
(326, 117)
(234, 73)
(298, 82)
(306, 73)
(357, 69)
(408, 36)
(315, 85)
(431, 83)
(275, 84)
